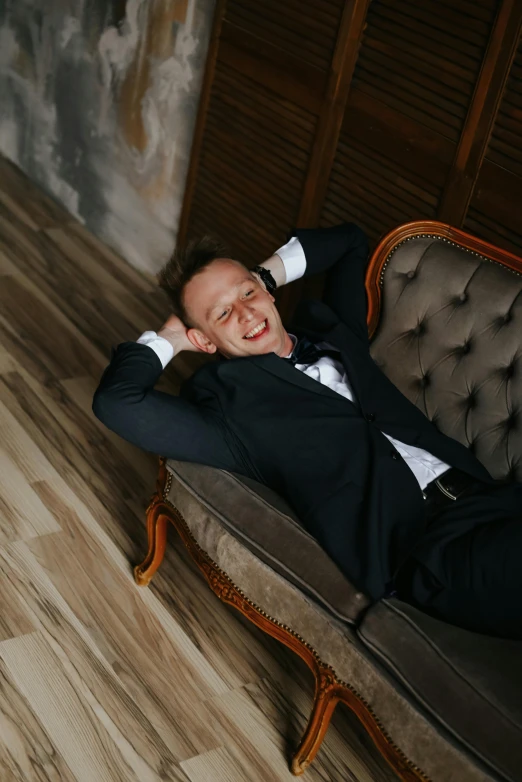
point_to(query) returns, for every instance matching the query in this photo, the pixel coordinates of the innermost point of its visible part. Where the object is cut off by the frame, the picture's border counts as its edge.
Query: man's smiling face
(233, 313)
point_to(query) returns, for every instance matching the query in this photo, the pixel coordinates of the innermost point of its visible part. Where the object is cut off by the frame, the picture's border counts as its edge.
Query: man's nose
(246, 313)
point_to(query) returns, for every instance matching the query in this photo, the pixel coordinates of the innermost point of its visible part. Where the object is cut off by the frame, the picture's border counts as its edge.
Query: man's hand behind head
(175, 332)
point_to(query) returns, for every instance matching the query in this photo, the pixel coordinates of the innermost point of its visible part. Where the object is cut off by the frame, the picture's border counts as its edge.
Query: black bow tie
(305, 352)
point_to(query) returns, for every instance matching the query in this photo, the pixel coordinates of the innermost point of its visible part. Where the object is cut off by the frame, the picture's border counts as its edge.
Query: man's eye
(222, 314)
(248, 293)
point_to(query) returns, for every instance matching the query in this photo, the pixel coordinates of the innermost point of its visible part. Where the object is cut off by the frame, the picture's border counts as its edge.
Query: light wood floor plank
(105, 598)
(22, 513)
(75, 725)
(14, 620)
(83, 659)
(26, 751)
(219, 765)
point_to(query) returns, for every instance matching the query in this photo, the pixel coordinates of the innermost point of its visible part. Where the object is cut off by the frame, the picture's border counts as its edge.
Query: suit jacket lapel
(269, 362)
(319, 323)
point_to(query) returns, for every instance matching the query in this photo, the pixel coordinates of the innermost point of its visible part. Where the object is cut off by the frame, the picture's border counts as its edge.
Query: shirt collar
(294, 343)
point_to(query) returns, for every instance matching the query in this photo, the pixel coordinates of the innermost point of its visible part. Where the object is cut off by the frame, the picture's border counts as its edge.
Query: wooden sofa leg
(157, 539)
(325, 701)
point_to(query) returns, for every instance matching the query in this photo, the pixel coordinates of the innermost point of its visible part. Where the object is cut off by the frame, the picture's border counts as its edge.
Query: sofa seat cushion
(268, 527)
(471, 684)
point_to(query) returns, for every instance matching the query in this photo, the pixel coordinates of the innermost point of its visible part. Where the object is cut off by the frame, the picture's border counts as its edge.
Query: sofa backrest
(450, 337)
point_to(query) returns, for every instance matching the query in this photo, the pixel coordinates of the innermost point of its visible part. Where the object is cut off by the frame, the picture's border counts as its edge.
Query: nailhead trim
(447, 241)
(221, 572)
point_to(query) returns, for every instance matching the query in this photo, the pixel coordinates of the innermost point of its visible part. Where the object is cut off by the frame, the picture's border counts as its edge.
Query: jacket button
(370, 417)
(394, 454)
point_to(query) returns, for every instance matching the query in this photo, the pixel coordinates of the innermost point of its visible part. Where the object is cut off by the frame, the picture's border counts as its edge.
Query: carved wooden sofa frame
(329, 688)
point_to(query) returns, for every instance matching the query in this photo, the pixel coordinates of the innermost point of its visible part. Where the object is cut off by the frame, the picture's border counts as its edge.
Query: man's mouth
(258, 331)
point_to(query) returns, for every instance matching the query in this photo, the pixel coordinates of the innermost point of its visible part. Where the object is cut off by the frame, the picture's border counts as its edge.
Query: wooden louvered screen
(496, 206)
(256, 187)
(268, 84)
(410, 95)
(375, 111)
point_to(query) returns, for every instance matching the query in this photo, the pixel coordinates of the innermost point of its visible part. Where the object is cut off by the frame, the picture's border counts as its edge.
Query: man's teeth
(256, 330)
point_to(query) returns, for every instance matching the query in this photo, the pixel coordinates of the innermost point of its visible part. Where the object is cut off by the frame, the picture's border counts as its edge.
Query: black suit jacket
(326, 455)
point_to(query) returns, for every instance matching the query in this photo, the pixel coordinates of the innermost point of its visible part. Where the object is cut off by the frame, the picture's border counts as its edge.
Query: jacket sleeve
(126, 402)
(342, 253)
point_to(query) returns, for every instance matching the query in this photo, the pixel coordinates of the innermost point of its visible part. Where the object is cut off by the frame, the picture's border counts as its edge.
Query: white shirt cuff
(161, 347)
(293, 257)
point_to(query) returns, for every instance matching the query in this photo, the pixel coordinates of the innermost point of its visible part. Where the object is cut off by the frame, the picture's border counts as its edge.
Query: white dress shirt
(327, 370)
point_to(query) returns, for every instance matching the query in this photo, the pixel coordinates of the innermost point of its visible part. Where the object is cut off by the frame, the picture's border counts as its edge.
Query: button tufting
(425, 380)
(411, 274)
(512, 471)
(463, 297)
(511, 422)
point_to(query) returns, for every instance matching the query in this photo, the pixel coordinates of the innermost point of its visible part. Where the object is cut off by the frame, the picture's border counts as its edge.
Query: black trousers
(467, 569)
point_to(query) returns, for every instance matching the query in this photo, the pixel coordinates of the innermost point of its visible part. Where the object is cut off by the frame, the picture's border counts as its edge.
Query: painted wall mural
(98, 102)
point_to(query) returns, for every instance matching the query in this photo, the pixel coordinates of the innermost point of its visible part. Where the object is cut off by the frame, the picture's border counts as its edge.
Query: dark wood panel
(436, 29)
(498, 194)
(272, 67)
(505, 145)
(449, 19)
(476, 9)
(275, 172)
(386, 180)
(408, 144)
(432, 46)
(364, 187)
(439, 37)
(320, 21)
(230, 86)
(444, 88)
(482, 113)
(223, 188)
(416, 55)
(313, 46)
(411, 99)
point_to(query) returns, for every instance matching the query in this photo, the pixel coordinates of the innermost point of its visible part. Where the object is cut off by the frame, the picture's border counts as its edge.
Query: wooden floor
(101, 680)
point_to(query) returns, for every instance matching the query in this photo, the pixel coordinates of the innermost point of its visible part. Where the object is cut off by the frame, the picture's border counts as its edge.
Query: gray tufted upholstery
(450, 338)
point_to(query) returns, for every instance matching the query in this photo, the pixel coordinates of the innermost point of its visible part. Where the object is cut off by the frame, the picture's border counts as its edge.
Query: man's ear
(200, 341)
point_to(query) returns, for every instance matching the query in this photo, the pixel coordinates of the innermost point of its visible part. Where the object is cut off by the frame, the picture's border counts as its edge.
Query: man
(399, 506)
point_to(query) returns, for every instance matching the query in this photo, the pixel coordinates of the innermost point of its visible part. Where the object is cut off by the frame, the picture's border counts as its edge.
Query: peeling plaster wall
(98, 101)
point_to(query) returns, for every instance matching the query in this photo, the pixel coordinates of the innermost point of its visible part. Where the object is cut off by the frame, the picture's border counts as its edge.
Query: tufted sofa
(441, 703)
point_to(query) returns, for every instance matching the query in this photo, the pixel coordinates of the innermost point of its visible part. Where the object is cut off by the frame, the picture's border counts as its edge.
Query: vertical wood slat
(482, 113)
(199, 128)
(329, 126)
(332, 113)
